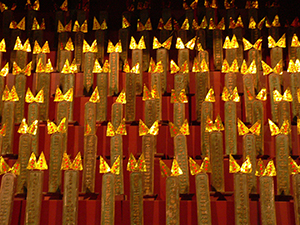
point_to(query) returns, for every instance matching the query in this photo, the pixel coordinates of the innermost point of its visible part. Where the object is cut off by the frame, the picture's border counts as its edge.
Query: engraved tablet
(33, 114)
(150, 112)
(136, 198)
(131, 89)
(217, 49)
(217, 165)
(137, 57)
(248, 87)
(56, 147)
(207, 111)
(89, 167)
(20, 84)
(180, 152)
(163, 56)
(43, 82)
(108, 200)
(9, 120)
(88, 76)
(178, 114)
(250, 150)
(241, 199)
(113, 87)
(90, 114)
(34, 197)
(296, 190)
(230, 128)
(172, 201)
(7, 192)
(202, 86)
(116, 114)
(258, 114)
(102, 89)
(70, 198)
(148, 148)
(203, 199)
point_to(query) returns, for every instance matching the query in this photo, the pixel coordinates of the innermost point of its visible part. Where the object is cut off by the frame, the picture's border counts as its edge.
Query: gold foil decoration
(255, 129)
(291, 67)
(226, 96)
(3, 130)
(293, 167)
(134, 45)
(143, 129)
(25, 129)
(60, 128)
(39, 98)
(270, 170)
(260, 168)
(125, 22)
(31, 162)
(41, 164)
(97, 68)
(164, 169)
(4, 167)
(15, 169)
(210, 96)
(252, 23)
(20, 25)
(64, 6)
(185, 25)
(233, 165)
(179, 44)
(121, 130)
(122, 97)
(174, 68)
(295, 41)
(184, 67)
(138, 165)
(194, 167)
(104, 167)
(95, 96)
(103, 25)
(262, 94)
(2, 46)
(191, 44)
(195, 25)
(83, 28)
(87, 48)
(10, 95)
(287, 96)
(111, 48)
(267, 69)
(69, 45)
(284, 129)
(59, 96)
(205, 166)
(231, 44)
(175, 169)
(4, 71)
(96, 24)
(166, 44)
(66, 162)
(246, 166)
(17, 70)
(168, 25)
(19, 47)
(257, 45)
(196, 66)
(280, 43)
(184, 129)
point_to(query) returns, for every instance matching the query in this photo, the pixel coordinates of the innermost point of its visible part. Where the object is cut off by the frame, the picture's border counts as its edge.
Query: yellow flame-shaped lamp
(114, 48)
(135, 69)
(95, 96)
(204, 168)
(5, 168)
(41, 164)
(61, 28)
(125, 23)
(280, 43)
(178, 98)
(19, 47)
(295, 41)
(5, 70)
(37, 26)
(257, 45)
(121, 98)
(293, 167)
(237, 24)
(59, 96)
(278, 69)
(165, 26)
(243, 129)
(97, 26)
(141, 27)
(234, 167)
(83, 28)
(2, 46)
(25, 129)
(69, 69)
(97, 68)
(261, 170)
(87, 48)
(66, 163)
(234, 68)
(141, 44)
(214, 126)
(284, 129)
(144, 130)
(165, 170)
(111, 131)
(17, 70)
(233, 44)
(69, 45)
(226, 96)
(213, 26)
(10, 95)
(200, 67)
(166, 44)
(60, 128)
(287, 96)
(184, 129)
(14, 25)
(39, 98)
(104, 167)
(210, 96)
(41, 68)
(190, 44)
(248, 70)
(134, 165)
(173, 67)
